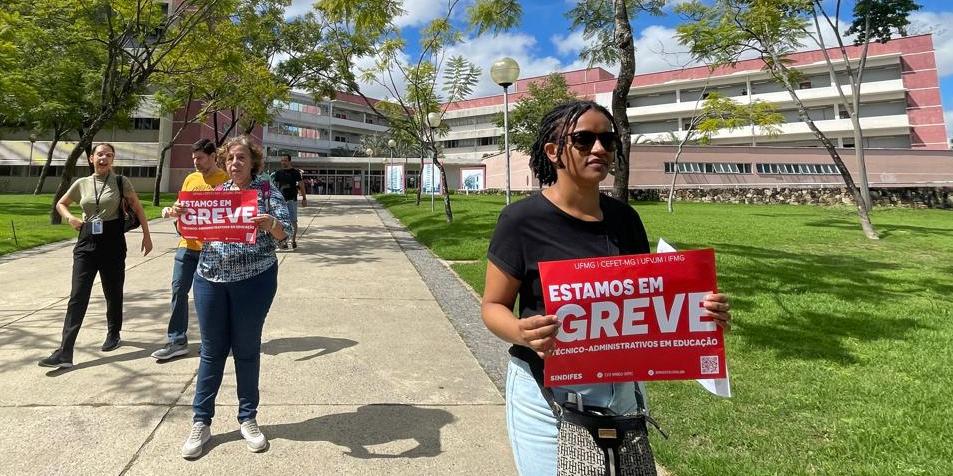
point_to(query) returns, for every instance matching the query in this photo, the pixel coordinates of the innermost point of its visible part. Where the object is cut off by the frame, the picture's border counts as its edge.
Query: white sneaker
(253, 436)
(200, 434)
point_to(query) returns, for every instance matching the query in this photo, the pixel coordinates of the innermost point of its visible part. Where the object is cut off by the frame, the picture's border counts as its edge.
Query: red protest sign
(219, 216)
(635, 317)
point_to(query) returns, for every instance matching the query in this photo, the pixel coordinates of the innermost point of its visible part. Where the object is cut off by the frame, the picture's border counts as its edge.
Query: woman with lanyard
(100, 248)
(234, 286)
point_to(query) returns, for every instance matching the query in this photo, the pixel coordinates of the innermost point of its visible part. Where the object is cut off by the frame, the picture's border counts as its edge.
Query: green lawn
(29, 216)
(841, 356)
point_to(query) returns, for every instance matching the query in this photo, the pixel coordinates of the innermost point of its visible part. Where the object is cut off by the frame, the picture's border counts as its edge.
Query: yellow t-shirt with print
(196, 182)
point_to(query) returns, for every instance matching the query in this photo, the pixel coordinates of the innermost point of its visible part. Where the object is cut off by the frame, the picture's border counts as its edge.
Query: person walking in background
(234, 286)
(100, 248)
(207, 176)
(291, 183)
(576, 145)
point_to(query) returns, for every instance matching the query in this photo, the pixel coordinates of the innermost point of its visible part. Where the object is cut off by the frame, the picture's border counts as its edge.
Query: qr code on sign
(709, 364)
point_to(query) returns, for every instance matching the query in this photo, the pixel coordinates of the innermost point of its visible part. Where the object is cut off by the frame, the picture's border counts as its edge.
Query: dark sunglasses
(584, 140)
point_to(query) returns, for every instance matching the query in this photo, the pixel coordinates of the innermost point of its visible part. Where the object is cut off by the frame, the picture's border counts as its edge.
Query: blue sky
(543, 42)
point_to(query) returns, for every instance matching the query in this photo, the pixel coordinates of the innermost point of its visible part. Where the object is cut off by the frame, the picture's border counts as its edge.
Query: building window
(340, 138)
(708, 168)
(843, 114)
(145, 123)
(451, 144)
(797, 169)
(340, 115)
(804, 85)
(489, 140)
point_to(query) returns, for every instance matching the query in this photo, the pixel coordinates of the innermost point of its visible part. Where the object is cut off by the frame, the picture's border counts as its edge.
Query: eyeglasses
(584, 140)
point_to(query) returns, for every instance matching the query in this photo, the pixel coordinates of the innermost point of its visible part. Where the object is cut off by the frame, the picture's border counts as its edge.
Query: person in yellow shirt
(207, 176)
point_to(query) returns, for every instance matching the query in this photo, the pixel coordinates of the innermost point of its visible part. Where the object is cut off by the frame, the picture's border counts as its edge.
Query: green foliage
(597, 20)
(720, 113)
(459, 77)
(494, 15)
(527, 114)
(838, 342)
(880, 19)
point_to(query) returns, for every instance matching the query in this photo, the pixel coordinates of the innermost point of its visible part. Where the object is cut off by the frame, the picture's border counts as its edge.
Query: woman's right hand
(76, 223)
(539, 333)
(175, 210)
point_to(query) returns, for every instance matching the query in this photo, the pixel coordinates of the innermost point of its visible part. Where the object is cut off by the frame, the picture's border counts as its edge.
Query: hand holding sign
(539, 333)
(218, 216)
(639, 317)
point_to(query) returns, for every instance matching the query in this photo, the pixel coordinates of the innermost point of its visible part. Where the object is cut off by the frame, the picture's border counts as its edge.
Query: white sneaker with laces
(198, 436)
(253, 436)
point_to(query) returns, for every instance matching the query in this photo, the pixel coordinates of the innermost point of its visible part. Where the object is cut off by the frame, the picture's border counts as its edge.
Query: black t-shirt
(287, 181)
(535, 229)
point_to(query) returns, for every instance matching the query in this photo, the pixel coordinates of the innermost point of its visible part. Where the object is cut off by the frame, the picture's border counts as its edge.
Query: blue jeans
(186, 261)
(231, 317)
(531, 424)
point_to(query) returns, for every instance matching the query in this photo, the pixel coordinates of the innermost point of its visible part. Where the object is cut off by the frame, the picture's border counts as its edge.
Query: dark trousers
(231, 317)
(104, 254)
(186, 261)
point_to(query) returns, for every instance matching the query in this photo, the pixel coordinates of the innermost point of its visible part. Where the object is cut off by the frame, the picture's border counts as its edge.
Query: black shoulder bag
(594, 441)
(130, 220)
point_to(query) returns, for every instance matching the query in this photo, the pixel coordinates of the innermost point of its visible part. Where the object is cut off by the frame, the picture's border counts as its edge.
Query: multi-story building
(900, 111)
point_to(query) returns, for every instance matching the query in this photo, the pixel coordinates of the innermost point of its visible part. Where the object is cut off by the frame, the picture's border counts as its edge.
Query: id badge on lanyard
(96, 224)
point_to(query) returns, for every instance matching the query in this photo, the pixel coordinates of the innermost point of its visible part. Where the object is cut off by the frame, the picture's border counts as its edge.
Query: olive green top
(84, 191)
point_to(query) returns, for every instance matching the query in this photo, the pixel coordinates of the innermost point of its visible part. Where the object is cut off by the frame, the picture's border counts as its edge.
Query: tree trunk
(448, 211)
(620, 94)
(159, 167)
(45, 172)
(859, 152)
(84, 145)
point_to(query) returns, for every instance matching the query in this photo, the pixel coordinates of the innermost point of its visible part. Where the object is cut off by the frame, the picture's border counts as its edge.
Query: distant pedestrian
(207, 176)
(100, 248)
(234, 286)
(576, 146)
(291, 183)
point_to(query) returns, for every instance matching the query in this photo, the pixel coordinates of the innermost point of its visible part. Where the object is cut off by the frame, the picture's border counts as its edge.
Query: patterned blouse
(223, 262)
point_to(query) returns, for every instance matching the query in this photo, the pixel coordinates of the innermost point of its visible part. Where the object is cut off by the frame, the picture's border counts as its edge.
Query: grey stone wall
(933, 197)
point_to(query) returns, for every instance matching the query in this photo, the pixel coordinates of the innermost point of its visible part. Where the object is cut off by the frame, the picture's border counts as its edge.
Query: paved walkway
(361, 373)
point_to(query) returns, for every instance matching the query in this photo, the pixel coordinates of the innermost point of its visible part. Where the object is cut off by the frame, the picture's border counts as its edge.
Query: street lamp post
(369, 153)
(505, 72)
(390, 145)
(433, 120)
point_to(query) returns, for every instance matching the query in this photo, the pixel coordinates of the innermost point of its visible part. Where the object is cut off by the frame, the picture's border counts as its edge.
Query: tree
(352, 29)
(723, 32)
(132, 39)
(876, 20)
(221, 71)
(606, 26)
(541, 97)
(720, 114)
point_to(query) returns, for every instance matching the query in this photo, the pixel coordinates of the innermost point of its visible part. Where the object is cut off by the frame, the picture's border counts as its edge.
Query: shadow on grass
(820, 336)
(884, 229)
(808, 334)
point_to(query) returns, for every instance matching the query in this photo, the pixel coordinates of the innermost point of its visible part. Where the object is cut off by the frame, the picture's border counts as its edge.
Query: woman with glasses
(575, 147)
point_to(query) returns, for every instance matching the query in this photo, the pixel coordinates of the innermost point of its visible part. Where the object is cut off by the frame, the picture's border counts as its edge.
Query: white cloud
(419, 12)
(486, 49)
(569, 44)
(939, 24)
(298, 8)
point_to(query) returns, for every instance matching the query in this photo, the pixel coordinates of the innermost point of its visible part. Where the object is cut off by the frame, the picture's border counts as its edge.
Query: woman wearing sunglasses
(575, 147)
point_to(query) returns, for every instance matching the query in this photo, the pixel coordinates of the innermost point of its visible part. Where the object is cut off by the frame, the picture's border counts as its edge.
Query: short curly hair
(257, 156)
(554, 128)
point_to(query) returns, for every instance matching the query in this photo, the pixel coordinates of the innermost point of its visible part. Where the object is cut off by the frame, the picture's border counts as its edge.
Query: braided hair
(555, 126)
